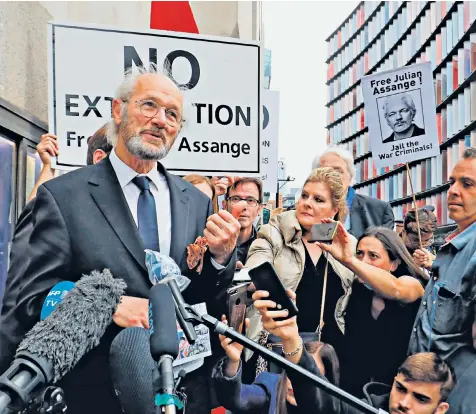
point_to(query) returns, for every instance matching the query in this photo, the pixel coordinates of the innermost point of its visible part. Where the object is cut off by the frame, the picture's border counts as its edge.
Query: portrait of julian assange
(399, 112)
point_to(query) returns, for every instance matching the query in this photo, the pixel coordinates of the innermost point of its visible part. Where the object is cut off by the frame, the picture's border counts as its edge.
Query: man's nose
(159, 118)
(405, 403)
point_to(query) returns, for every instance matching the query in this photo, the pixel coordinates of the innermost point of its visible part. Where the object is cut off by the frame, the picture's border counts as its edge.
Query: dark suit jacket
(366, 212)
(417, 131)
(80, 222)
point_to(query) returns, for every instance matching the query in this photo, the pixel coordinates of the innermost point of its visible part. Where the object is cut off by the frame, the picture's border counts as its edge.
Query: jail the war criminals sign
(400, 111)
(221, 79)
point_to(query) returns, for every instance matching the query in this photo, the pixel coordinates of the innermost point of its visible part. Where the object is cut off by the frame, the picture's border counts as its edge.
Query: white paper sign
(269, 140)
(223, 77)
(401, 115)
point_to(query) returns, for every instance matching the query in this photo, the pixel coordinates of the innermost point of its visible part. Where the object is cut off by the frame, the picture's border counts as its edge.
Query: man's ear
(442, 408)
(116, 110)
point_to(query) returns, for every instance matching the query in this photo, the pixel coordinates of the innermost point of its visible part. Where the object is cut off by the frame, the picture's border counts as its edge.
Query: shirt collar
(125, 174)
(461, 240)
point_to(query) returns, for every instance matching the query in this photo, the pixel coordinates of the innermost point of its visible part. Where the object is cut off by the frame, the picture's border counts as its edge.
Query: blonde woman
(301, 265)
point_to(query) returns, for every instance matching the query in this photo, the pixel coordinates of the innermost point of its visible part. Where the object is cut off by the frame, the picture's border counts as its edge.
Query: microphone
(180, 310)
(54, 346)
(132, 371)
(164, 345)
(162, 269)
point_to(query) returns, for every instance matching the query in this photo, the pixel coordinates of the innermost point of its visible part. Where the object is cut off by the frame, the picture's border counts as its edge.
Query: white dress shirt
(159, 189)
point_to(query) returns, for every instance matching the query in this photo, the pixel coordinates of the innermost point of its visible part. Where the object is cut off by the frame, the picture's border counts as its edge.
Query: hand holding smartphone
(265, 277)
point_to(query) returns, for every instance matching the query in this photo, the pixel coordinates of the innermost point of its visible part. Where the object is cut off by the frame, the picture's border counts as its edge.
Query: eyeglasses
(150, 109)
(252, 202)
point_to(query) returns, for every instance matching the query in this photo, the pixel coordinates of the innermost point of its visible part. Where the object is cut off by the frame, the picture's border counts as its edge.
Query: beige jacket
(279, 242)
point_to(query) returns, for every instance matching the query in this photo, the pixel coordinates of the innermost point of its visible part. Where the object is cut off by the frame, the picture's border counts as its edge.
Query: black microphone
(55, 345)
(133, 370)
(164, 345)
(180, 310)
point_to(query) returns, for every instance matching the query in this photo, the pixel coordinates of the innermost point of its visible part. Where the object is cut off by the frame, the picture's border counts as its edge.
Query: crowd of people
(384, 313)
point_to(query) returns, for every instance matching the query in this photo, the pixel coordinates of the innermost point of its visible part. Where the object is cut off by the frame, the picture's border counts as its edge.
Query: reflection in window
(7, 205)
(33, 169)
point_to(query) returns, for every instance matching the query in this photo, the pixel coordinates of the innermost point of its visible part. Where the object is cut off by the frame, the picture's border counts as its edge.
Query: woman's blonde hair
(333, 179)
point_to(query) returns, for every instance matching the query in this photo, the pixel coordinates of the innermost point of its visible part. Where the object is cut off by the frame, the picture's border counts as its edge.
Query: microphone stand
(223, 329)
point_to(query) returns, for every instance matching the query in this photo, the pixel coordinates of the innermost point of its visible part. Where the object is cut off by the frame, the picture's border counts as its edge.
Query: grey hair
(406, 99)
(342, 152)
(124, 92)
(469, 153)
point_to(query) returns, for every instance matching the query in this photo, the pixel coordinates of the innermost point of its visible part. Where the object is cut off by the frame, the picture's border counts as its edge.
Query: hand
(286, 329)
(221, 184)
(47, 148)
(340, 248)
(222, 232)
(239, 265)
(233, 349)
(423, 258)
(132, 312)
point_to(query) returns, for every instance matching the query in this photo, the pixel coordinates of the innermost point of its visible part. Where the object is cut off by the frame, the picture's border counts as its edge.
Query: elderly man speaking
(103, 216)
(363, 211)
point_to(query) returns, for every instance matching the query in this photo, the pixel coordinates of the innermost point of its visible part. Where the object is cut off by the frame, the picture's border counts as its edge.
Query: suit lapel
(354, 215)
(107, 193)
(180, 212)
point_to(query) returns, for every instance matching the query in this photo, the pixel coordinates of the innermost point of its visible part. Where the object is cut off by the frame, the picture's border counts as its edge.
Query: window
(8, 156)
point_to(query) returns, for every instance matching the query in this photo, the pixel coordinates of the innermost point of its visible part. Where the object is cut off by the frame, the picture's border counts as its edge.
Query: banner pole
(414, 205)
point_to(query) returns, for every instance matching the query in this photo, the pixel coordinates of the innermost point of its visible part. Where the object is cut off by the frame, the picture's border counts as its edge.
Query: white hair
(124, 92)
(406, 99)
(342, 152)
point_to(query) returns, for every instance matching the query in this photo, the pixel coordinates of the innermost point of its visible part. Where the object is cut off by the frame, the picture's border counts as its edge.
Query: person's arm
(308, 398)
(405, 289)
(45, 261)
(215, 278)
(226, 376)
(236, 396)
(47, 148)
(388, 219)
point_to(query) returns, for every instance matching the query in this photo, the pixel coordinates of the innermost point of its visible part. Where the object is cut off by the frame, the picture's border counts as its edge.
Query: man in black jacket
(363, 211)
(421, 386)
(103, 216)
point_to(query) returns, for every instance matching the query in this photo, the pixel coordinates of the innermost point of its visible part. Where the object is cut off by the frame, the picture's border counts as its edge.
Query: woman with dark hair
(270, 393)
(382, 307)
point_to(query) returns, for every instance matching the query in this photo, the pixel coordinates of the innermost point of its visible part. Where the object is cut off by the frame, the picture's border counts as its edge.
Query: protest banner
(221, 78)
(400, 110)
(270, 140)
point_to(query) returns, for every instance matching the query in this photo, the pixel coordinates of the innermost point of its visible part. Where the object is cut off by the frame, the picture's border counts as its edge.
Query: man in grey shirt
(447, 311)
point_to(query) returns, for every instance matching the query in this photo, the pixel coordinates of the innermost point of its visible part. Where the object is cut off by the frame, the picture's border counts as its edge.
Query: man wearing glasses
(245, 196)
(104, 216)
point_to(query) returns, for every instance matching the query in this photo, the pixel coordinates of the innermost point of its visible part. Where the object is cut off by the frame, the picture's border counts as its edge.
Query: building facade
(24, 76)
(379, 36)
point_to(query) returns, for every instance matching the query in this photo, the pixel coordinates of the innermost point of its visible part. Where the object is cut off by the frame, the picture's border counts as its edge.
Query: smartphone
(265, 214)
(265, 277)
(323, 232)
(237, 305)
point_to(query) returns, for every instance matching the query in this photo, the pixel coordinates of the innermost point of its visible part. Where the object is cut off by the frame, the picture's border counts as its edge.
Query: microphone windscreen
(132, 371)
(57, 293)
(162, 323)
(77, 324)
